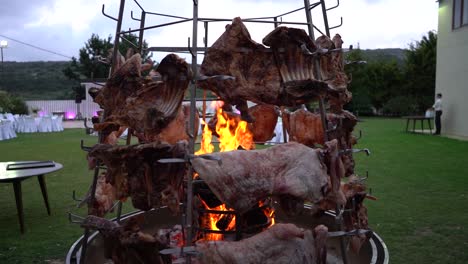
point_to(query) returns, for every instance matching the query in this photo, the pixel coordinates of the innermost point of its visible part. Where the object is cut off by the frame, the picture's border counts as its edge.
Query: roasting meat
(304, 127)
(127, 244)
(134, 171)
(176, 130)
(105, 196)
(260, 75)
(142, 104)
(283, 171)
(281, 243)
(265, 118)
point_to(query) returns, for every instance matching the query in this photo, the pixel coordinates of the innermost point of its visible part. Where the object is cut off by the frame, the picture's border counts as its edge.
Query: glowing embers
(217, 222)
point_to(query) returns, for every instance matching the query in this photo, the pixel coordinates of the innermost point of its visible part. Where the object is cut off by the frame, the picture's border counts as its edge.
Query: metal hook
(337, 4)
(85, 148)
(364, 178)
(189, 48)
(75, 219)
(360, 135)
(106, 15)
(341, 23)
(74, 197)
(131, 15)
(195, 2)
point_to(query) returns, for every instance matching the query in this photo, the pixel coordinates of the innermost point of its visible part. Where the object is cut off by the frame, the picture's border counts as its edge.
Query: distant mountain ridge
(384, 55)
(44, 80)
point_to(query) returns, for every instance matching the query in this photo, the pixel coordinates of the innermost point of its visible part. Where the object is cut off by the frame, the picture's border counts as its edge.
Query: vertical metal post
(205, 41)
(325, 17)
(1, 48)
(140, 36)
(117, 36)
(193, 108)
(276, 22)
(310, 26)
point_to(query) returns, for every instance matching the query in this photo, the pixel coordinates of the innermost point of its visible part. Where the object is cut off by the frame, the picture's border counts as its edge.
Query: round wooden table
(17, 171)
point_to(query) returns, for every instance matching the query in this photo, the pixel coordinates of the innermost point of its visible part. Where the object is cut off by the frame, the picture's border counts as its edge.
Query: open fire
(233, 134)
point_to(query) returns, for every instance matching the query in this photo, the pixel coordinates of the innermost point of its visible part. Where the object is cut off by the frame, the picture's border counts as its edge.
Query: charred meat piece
(246, 177)
(144, 105)
(134, 171)
(261, 76)
(127, 244)
(281, 243)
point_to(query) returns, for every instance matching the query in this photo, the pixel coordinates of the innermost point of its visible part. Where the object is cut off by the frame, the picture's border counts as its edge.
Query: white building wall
(87, 107)
(452, 72)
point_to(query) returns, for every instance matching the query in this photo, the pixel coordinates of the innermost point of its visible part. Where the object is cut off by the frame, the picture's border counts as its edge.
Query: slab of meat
(134, 171)
(265, 118)
(127, 244)
(281, 243)
(262, 75)
(304, 127)
(176, 130)
(286, 171)
(142, 104)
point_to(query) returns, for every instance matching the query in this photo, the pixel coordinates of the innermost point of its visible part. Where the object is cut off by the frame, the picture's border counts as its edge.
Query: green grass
(420, 180)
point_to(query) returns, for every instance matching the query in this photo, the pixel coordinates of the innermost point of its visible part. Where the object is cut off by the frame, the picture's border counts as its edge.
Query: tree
(420, 71)
(12, 104)
(89, 66)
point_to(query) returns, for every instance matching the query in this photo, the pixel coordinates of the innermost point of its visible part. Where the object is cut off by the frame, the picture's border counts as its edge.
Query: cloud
(64, 26)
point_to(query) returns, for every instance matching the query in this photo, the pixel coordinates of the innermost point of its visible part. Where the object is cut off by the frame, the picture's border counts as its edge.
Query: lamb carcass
(261, 76)
(134, 171)
(290, 172)
(281, 243)
(127, 244)
(142, 104)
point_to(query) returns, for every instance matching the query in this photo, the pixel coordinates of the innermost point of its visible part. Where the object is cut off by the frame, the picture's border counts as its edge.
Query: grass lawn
(421, 182)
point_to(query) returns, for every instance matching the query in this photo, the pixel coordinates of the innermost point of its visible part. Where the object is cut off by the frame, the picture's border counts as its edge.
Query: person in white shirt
(438, 112)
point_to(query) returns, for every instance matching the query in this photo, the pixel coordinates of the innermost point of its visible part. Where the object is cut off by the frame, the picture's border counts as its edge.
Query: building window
(460, 13)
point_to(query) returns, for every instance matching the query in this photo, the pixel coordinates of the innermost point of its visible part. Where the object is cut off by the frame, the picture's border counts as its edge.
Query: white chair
(29, 125)
(6, 130)
(57, 123)
(45, 124)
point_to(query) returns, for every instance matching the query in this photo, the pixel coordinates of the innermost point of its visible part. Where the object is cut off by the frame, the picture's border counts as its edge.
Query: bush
(400, 105)
(12, 104)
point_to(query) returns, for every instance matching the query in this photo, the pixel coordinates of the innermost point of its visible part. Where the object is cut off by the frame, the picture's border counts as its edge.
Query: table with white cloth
(6, 129)
(279, 135)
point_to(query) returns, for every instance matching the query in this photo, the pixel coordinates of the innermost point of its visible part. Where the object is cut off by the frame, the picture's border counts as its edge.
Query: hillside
(41, 80)
(384, 55)
(36, 80)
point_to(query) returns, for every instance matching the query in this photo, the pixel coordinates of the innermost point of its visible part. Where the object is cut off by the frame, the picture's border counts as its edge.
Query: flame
(206, 146)
(269, 212)
(212, 219)
(232, 133)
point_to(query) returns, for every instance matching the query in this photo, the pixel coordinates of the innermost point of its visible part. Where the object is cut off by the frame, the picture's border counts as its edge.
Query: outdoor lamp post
(3, 44)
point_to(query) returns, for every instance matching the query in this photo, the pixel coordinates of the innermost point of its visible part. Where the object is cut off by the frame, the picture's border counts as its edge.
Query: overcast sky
(63, 26)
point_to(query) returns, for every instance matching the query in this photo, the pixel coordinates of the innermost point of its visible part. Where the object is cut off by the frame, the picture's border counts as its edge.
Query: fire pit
(373, 251)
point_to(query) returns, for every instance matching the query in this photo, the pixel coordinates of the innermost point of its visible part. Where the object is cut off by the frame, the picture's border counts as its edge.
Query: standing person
(438, 112)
